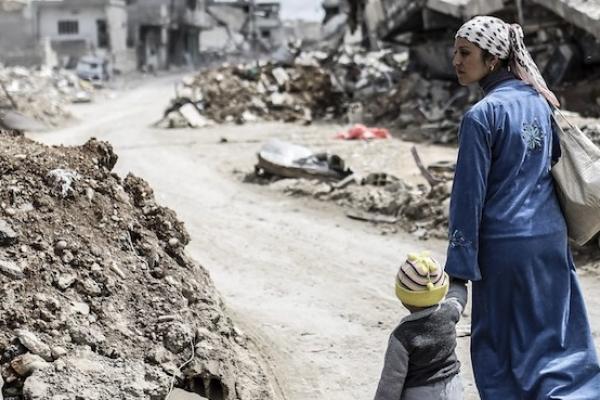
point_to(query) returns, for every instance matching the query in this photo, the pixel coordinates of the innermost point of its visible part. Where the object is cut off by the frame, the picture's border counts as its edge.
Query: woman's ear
(492, 63)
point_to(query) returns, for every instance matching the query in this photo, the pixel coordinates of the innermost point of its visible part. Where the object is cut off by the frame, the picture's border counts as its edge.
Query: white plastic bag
(577, 177)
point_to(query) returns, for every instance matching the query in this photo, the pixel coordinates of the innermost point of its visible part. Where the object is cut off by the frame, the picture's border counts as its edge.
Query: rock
(173, 242)
(26, 364)
(159, 355)
(96, 251)
(177, 337)
(117, 270)
(60, 245)
(7, 235)
(86, 376)
(91, 336)
(58, 352)
(80, 308)
(67, 257)
(65, 281)
(11, 269)
(36, 390)
(34, 344)
(90, 287)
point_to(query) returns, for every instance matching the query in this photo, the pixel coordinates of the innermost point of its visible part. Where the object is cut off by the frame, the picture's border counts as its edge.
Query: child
(420, 361)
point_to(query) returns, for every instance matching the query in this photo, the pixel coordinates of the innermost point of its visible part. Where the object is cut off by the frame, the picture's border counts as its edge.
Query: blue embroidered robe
(530, 334)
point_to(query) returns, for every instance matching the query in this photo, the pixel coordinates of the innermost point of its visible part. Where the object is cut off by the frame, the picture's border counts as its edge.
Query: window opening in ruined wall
(102, 29)
(68, 27)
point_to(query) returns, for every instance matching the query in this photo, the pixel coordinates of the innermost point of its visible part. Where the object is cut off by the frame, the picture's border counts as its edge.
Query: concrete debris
(39, 94)
(258, 91)
(11, 270)
(28, 363)
(350, 85)
(7, 234)
(281, 159)
(96, 276)
(34, 344)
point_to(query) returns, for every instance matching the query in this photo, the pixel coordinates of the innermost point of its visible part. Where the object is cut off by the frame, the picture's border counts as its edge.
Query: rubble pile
(380, 198)
(247, 92)
(421, 109)
(351, 85)
(99, 300)
(592, 131)
(41, 94)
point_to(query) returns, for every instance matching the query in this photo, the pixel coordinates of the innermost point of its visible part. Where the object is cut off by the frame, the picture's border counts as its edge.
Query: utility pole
(520, 17)
(252, 24)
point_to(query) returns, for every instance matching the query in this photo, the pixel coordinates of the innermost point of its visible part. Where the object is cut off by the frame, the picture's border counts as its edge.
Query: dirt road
(314, 287)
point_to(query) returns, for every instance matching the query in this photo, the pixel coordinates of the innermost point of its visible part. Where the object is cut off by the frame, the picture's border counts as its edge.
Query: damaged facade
(190, 32)
(18, 44)
(75, 28)
(166, 32)
(242, 25)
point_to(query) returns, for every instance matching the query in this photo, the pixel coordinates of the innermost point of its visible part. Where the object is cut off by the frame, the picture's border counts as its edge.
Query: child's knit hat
(421, 282)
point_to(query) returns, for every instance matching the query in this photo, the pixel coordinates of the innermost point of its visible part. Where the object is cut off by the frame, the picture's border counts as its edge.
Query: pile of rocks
(41, 94)
(99, 300)
(323, 86)
(380, 198)
(245, 93)
(592, 131)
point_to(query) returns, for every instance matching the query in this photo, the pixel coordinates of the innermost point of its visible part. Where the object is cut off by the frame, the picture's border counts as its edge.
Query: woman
(530, 336)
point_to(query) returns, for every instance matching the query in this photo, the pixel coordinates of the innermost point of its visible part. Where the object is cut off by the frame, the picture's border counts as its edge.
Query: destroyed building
(166, 32)
(18, 44)
(242, 25)
(563, 37)
(75, 28)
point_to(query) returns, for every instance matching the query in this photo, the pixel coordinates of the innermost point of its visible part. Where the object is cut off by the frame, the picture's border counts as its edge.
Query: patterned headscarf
(506, 42)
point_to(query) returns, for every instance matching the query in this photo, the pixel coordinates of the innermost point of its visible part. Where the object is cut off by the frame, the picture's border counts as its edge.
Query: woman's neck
(493, 79)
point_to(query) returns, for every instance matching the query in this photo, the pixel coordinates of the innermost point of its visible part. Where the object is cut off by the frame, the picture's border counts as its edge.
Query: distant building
(242, 25)
(166, 32)
(18, 43)
(78, 27)
(309, 32)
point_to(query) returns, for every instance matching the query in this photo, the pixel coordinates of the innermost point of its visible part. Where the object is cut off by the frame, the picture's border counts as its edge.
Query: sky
(302, 9)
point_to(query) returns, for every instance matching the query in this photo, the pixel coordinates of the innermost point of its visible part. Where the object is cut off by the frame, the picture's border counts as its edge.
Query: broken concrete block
(582, 13)
(65, 281)
(7, 235)
(28, 363)
(192, 116)
(465, 9)
(34, 344)
(280, 76)
(11, 269)
(90, 287)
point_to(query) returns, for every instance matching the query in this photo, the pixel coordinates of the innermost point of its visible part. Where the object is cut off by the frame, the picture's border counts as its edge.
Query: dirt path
(314, 287)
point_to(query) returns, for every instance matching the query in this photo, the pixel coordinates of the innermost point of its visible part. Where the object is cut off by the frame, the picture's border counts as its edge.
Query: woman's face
(468, 62)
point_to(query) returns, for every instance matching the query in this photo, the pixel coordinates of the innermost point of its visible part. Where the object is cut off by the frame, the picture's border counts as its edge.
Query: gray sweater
(421, 350)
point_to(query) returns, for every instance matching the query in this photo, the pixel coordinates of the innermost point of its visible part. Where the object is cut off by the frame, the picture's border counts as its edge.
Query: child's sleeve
(394, 371)
(457, 295)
